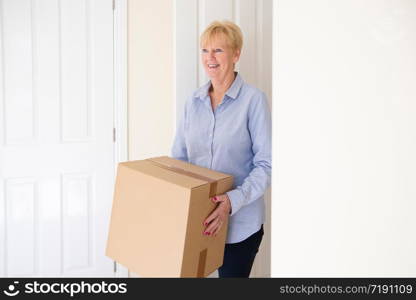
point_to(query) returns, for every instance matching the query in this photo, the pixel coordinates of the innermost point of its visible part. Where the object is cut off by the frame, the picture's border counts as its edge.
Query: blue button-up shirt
(235, 139)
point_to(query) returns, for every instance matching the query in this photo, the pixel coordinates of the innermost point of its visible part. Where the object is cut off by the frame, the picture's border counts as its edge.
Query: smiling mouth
(213, 66)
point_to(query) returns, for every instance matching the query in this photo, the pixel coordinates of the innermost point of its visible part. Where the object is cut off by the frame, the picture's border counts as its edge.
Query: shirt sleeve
(258, 180)
(179, 150)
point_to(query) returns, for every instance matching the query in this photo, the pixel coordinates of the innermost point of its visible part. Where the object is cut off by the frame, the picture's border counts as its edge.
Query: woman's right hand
(219, 216)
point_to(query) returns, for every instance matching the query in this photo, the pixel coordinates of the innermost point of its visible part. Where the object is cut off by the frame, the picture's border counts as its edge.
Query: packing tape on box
(212, 182)
(201, 263)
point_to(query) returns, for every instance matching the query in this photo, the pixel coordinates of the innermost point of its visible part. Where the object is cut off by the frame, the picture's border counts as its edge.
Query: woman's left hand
(219, 216)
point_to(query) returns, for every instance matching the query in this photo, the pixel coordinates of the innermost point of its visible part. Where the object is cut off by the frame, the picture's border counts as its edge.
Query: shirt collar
(232, 91)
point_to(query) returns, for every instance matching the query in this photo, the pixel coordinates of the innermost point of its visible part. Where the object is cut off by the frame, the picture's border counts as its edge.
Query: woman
(226, 127)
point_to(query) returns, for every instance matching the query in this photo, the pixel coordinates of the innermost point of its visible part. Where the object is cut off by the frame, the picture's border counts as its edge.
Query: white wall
(255, 19)
(345, 139)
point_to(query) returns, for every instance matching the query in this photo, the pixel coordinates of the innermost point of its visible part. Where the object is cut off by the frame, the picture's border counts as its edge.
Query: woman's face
(218, 58)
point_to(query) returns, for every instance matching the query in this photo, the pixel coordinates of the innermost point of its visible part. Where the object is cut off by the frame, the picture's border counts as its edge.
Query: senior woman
(226, 127)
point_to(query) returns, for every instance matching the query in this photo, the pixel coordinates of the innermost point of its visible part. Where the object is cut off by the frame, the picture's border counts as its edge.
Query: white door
(56, 135)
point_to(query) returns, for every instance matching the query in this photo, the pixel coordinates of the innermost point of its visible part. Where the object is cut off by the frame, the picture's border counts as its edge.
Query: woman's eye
(218, 50)
(204, 51)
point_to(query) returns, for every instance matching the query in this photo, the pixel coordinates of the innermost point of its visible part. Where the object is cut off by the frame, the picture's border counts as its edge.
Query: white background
(344, 169)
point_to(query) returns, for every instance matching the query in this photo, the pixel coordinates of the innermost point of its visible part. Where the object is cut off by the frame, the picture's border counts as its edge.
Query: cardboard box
(159, 207)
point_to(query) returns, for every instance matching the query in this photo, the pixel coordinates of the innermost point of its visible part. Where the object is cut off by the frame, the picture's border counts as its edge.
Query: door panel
(57, 150)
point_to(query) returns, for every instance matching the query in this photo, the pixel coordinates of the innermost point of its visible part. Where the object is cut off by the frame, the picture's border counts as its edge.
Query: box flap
(187, 167)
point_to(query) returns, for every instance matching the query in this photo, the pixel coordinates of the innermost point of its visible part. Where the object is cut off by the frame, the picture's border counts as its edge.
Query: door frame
(120, 95)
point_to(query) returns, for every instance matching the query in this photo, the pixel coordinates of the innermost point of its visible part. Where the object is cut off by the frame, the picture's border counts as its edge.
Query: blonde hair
(230, 31)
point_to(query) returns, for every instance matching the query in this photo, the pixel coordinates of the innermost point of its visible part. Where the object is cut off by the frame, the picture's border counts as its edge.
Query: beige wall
(150, 78)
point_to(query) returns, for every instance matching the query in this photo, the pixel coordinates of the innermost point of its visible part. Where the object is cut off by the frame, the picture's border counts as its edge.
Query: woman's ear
(236, 56)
